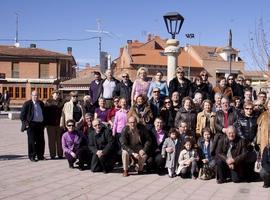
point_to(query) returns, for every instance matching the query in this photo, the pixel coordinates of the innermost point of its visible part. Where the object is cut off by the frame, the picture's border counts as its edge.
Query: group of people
(182, 128)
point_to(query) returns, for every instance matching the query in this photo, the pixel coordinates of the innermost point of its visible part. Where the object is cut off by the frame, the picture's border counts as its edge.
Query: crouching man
(135, 141)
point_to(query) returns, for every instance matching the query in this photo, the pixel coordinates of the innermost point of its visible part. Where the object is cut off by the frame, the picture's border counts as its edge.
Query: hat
(55, 91)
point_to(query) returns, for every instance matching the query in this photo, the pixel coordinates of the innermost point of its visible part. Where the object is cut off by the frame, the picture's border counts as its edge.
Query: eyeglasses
(96, 125)
(70, 125)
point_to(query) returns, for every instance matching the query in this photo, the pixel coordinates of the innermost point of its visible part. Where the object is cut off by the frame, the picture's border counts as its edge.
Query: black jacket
(122, 90)
(103, 141)
(238, 150)
(190, 117)
(27, 113)
(246, 127)
(53, 111)
(266, 158)
(219, 120)
(203, 89)
(155, 147)
(183, 89)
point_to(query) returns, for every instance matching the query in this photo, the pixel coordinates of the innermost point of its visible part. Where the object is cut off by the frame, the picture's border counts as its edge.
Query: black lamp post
(174, 22)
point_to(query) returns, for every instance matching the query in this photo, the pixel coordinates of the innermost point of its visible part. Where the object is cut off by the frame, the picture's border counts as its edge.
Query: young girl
(188, 161)
(168, 151)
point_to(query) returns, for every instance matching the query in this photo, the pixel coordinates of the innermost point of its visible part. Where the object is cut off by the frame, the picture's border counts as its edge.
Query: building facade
(23, 70)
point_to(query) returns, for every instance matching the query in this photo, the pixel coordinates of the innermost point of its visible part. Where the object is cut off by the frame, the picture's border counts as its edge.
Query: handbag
(258, 163)
(206, 172)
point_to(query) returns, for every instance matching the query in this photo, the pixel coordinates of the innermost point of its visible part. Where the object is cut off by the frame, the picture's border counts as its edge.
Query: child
(188, 161)
(168, 151)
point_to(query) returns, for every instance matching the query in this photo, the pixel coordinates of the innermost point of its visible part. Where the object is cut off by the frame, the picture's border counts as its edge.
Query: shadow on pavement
(12, 157)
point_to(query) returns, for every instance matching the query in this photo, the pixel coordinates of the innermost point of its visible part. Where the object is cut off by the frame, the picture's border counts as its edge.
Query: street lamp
(173, 22)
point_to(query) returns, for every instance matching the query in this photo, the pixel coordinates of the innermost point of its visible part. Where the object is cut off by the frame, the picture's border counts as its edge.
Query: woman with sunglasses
(75, 146)
(168, 113)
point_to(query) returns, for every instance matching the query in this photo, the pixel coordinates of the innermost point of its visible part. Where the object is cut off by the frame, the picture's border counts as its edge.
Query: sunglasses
(70, 125)
(156, 91)
(124, 76)
(230, 79)
(167, 102)
(74, 96)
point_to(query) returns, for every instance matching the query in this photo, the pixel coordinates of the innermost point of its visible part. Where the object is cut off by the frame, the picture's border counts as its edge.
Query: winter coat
(184, 157)
(170, 157)
(188, 116)
(263, 135)
(201, 122)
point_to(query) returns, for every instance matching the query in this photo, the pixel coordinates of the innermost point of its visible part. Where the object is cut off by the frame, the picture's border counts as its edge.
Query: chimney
(69, 50)
(149, 37)
(33, 46)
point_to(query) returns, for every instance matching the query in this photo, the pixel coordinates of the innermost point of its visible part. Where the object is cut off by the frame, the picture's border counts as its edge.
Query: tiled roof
(11, 51)
(78, 81)
(154, 57)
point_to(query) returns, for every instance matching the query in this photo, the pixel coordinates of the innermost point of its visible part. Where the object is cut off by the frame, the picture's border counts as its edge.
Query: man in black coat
(123, 89)
(101, 145)
(231, 153)
(32, 117)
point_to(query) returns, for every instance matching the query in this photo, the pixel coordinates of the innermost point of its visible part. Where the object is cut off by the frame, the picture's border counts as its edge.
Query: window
(23, 92)
(45, 93)
(17, 92)
(15, 70)
(39, 92)
(43, 70)
(10, 90)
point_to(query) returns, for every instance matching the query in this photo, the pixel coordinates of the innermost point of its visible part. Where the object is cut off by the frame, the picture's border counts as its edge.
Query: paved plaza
(52, 179)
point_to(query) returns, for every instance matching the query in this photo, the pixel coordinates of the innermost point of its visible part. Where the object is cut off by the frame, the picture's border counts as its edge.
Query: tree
(259, 47)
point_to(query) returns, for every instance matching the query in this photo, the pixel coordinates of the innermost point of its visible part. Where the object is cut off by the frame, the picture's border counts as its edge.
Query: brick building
(25, 69)
(193, 58)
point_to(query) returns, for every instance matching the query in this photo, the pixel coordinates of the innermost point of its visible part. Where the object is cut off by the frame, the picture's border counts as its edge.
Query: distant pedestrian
(5, 99)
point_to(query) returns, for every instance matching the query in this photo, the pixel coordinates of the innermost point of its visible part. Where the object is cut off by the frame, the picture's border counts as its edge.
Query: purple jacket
(68, 143)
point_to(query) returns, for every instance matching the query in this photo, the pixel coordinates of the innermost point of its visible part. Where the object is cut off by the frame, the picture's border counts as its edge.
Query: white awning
(41, 80)
(17, 80)
(74, 88)
(227, 71)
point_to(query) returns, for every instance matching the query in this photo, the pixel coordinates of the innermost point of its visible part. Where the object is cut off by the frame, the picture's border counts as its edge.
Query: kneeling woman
(75, 146)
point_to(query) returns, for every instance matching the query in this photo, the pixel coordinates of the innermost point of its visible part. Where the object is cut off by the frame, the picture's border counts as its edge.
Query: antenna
(17, 44)
(99, 33)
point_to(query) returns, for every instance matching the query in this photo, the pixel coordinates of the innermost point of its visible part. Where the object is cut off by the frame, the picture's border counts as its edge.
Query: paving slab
(52, 179)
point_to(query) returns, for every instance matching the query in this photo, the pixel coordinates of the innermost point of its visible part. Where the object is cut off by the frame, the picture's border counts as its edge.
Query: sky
(209, 20)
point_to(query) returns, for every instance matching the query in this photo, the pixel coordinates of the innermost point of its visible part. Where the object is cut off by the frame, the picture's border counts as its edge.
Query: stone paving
(52, 179)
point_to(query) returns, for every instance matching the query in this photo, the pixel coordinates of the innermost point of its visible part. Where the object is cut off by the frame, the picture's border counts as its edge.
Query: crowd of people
(187, 129)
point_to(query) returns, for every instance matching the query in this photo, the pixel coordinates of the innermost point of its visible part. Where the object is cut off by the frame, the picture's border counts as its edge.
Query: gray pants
(54, 140)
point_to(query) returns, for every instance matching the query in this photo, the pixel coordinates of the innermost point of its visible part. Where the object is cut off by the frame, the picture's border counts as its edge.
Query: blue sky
(209, 20)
